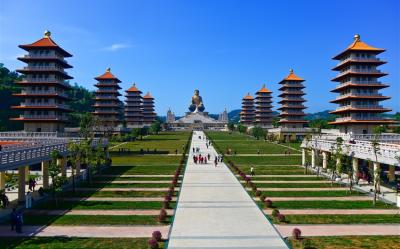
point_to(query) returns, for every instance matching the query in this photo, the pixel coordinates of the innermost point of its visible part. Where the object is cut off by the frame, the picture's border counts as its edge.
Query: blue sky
(223, 48)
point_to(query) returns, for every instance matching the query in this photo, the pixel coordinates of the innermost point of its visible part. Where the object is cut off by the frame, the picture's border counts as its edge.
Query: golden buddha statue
(197, 102)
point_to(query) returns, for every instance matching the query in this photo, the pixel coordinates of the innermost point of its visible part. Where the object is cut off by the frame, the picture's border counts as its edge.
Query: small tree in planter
(262, 198)
(275, 213)
(166, 204)
(163, 215)
(157, 236)
(153, 244)
(296, 233)
(281, 218)
(258, 193)
(268, 203)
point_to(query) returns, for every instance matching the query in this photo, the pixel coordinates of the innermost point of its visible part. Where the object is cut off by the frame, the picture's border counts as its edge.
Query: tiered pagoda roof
(45, 101)
(358, 86)
(247, 115)
(149, 115)
(291, 109)
(263, 111)
(133, 107)
(107, 105)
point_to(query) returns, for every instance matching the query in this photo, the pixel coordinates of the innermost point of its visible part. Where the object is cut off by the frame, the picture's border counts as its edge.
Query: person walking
(216, 161)
(13, 219)
(19, 222)
(252, 171)
(208, 156)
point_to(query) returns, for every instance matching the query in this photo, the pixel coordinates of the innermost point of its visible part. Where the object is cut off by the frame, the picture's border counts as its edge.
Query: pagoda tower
(44, 106)
(107, 105)
(247, 115)
(133, 108)
(263, 110)
(149, 115)
(358, 87)
(291, 110)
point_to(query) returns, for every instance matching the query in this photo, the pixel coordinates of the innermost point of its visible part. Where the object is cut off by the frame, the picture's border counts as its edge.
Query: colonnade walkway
(215, 211)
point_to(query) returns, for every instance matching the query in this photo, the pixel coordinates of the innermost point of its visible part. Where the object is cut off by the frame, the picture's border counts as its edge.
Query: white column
(377, 168)
(78, 168)
(2, 180)
(313, 158)
(324, 160)
(391, 173)
(45, 174)
(355, 168)
(21, 183)
(303, 157)
(61, 162)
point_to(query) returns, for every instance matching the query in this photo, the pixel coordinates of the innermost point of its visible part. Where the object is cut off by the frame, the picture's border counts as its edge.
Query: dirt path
(340, 230)
(87, 231)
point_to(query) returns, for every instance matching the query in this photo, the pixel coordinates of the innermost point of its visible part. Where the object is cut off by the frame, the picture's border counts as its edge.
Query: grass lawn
(348, 242)
(274, 171)
(344, 219)
(114, 194)
(296, 185)
(327, 193)
(153, 146)
(265, 160)
(104, 178)
(77, 220)
(218, 135)
(132, 160)
(141, 170)
(252, 147)
(125, 185)
(73, 243)
(93, 205)
(328, 205)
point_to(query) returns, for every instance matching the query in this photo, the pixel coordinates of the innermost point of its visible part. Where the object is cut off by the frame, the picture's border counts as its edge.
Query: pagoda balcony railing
(45, 56)
(291, 119)
(49, 80)
(371, 118)
(44, 92)
(293, 106)
(45, 68)
(359, 71)
(48, 104)
(133, 109)
(111, 112)
(292, 92)
(359, 94)
(288, 129)
(106, 97)
(355, 58)
(44, 117)
(293, 113)
(292, 99)
(360, 106)
(375, 82)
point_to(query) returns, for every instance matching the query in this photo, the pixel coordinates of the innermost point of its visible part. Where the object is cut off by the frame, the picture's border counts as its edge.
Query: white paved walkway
(214, 210)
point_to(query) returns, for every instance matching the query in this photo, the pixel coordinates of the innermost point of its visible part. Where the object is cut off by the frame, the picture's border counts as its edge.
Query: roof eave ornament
(47, 34)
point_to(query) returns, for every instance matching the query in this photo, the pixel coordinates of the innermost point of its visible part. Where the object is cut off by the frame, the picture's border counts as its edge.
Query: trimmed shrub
(157, 236)
(254, 188)
(167, 198)
(281, 218)
(166, 204)
(268, 203)
(162, 216)
(258, 193)
(296, 233)
(262, 198)
(153, 244)
(275, 213)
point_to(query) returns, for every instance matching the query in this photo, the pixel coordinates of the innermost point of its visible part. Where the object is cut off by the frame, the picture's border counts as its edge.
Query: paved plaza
(215, 211)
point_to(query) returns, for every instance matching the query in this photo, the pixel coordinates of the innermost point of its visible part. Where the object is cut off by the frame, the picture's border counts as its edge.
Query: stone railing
(387, 153)
(28, 156)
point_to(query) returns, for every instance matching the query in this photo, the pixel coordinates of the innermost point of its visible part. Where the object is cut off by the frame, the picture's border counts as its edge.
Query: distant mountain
(320, 115)
(234, 115)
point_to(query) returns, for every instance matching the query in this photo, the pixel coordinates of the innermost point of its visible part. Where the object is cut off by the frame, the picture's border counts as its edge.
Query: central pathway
(214, 210)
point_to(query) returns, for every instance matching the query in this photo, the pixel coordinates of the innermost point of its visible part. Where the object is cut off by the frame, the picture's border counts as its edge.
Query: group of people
(201, 159)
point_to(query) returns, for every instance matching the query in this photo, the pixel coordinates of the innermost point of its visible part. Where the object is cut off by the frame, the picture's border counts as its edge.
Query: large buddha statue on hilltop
(197, 102)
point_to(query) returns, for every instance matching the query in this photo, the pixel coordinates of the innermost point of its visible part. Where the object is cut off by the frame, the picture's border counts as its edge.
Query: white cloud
(116, 46)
